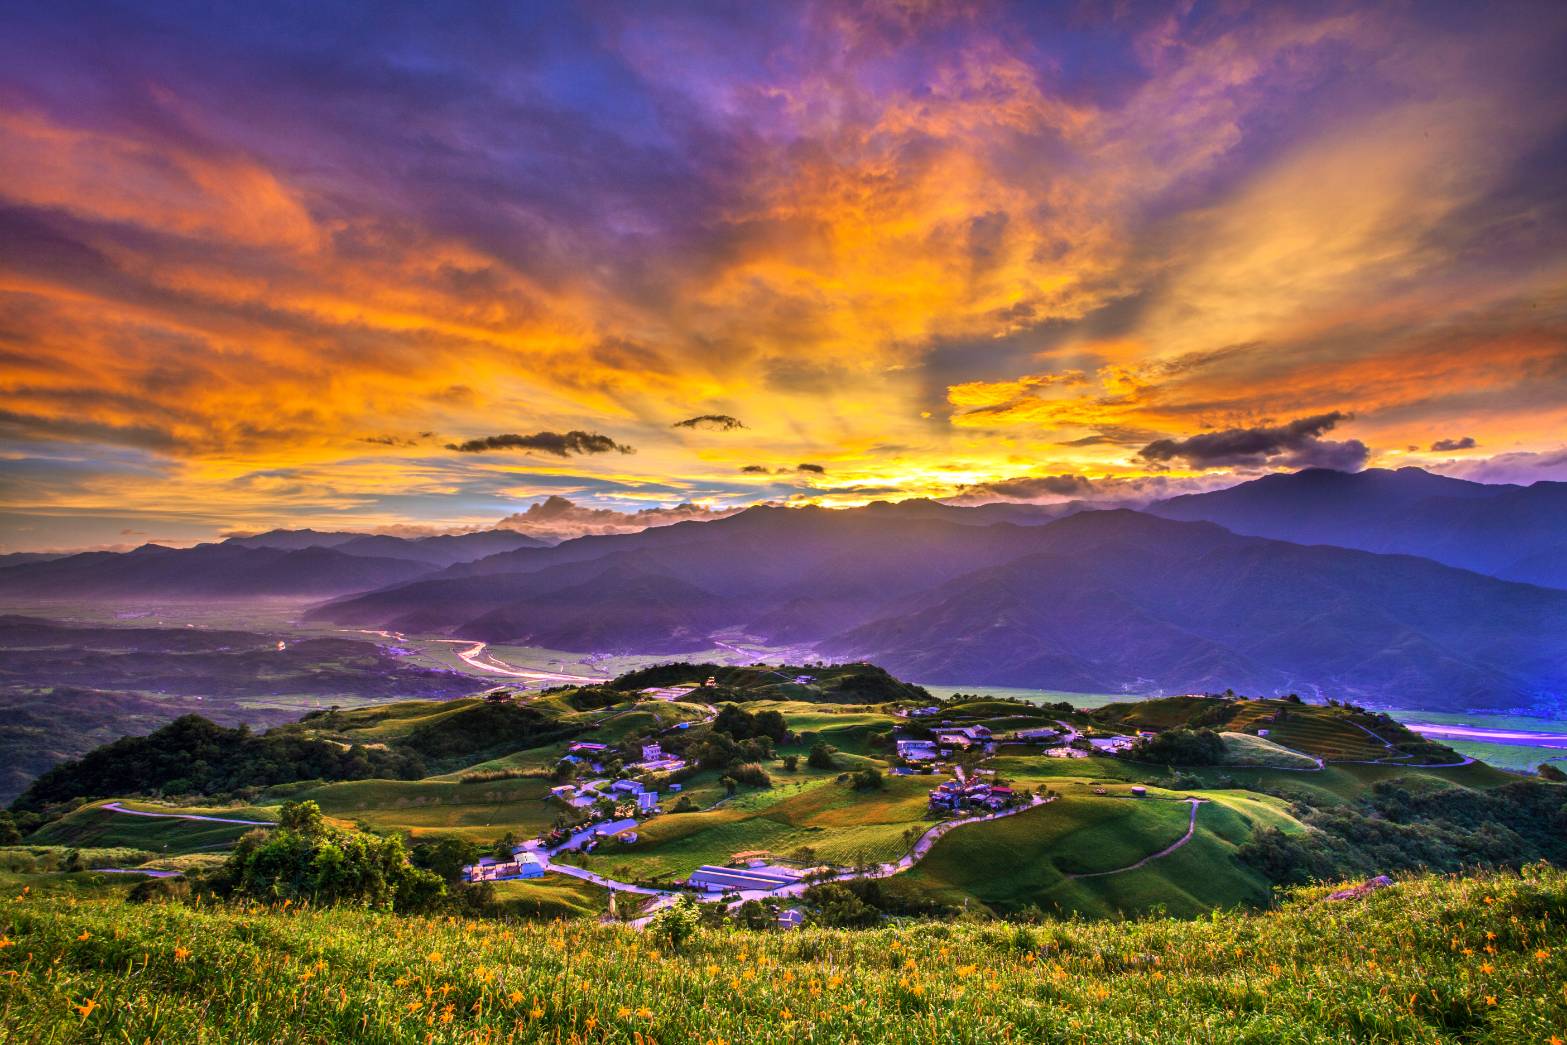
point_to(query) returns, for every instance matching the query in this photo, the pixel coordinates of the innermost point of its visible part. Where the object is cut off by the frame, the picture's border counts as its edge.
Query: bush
(160, 890)
(821, 756)
(868, 779)
(677, 923)
(751, 775)
(303, 859)
(1180, 747)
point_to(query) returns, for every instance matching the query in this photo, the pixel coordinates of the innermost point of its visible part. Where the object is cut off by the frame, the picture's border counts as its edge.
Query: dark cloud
(559, 518)
(762, 469)
(1027, 488)
(560, 444)
(714, 422)
(395, 440)
(1443, 446)
(1298, 444)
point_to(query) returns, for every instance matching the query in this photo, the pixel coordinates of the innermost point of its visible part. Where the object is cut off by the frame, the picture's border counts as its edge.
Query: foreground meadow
(1481, 959)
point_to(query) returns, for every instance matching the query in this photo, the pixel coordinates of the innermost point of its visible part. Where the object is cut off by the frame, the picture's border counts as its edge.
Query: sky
(418, 267)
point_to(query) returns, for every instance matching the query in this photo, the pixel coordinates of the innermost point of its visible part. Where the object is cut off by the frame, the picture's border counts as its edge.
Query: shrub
(821, 756)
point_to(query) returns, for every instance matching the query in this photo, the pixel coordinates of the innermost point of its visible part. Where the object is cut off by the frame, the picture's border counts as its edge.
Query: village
(607, 803)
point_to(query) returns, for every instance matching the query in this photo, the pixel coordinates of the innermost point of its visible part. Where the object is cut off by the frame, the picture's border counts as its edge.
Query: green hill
(1476, 960)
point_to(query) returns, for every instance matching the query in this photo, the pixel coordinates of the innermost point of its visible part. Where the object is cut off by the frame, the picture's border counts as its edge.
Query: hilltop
(1479, 959)
(915, 805)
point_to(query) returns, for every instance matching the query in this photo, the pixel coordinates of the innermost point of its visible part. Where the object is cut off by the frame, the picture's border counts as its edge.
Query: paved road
(115, 807)
(1191, 828)
(135, 870)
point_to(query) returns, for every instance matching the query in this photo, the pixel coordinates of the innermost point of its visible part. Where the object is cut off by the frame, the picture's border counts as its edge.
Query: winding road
(115, 807)
(1191, 829)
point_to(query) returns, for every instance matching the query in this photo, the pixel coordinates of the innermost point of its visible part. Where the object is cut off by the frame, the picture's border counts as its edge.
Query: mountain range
(1517, 533)
(1399, 588)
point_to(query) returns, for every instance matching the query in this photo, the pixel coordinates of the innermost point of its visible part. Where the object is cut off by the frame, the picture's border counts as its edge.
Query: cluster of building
(756, 875)
(954, 795)
(522, 864)
(656, 760)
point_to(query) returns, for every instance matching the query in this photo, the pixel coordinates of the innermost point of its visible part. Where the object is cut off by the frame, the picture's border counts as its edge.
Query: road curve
(1191, 829)
(115, 807)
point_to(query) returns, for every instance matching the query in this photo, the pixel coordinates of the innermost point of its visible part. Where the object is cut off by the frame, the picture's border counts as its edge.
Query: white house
(627, 787)
(652, 752)
(647, 801)
(916, 750)
(528, 866)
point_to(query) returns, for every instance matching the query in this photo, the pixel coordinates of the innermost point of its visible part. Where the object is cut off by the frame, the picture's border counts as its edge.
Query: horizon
(562, 519)
(303, 268)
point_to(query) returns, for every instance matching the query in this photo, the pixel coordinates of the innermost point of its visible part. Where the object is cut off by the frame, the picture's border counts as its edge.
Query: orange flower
(536, 1013)
(645, 1012)
(1490, 999)
(86, 1008)
(1487, 967)
(181, 953)
(85, 934)
(622, 1012)
(1542, 954)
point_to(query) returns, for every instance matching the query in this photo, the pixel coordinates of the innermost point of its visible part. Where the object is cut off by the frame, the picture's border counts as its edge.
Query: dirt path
(1191, 829)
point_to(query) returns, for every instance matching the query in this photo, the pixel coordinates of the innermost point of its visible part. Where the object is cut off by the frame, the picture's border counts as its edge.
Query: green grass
(1028, 859)
(94, 826)
(478, 812)
(553, 896)
(1243, 749)
(807, 808)
(1408, 963)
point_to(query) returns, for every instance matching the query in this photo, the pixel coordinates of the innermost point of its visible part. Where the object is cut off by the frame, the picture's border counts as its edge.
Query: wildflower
(86, 1007)
(516, 997)
(536, 1013)
(414, 1006)
(712, 970)
(622, 1012)
(593, 1021)
(786, 1015)
(1542, 954)
(85, 934)
(6, 941)
(645, 1012)
(181, 953)
(1487, 967)
(433, 956)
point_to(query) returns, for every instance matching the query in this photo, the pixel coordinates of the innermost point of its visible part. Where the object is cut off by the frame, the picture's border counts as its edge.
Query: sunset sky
(378, 266)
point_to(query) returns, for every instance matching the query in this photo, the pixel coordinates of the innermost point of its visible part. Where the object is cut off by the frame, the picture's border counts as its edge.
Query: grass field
(554, 896)
(1479, 960)
(1027, 860)
(94, 826)
(478, 812)
(808, 808)
(1243, 749)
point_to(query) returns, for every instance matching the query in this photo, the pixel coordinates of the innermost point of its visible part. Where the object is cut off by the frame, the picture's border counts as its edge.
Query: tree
(791, 763)
(677, 923)
(868, 779)
(9, 835)
(1551, 773)
(821, 756)
(301, 817)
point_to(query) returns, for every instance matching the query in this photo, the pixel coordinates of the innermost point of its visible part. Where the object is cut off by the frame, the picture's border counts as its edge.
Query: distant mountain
(444, 550)
(205, 571)
(1104, 601)
(1123, 600)
(21, 558)
(294, 540)
(1515, 532)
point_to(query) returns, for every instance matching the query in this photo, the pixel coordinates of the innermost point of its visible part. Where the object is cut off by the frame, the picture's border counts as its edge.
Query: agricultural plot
(479, 811)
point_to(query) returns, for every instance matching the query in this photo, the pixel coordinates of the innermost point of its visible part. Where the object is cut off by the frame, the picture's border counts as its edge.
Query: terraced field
(1314, 730)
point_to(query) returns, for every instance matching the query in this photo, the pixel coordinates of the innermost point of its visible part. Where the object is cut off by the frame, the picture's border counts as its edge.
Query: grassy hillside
(1478, 960)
